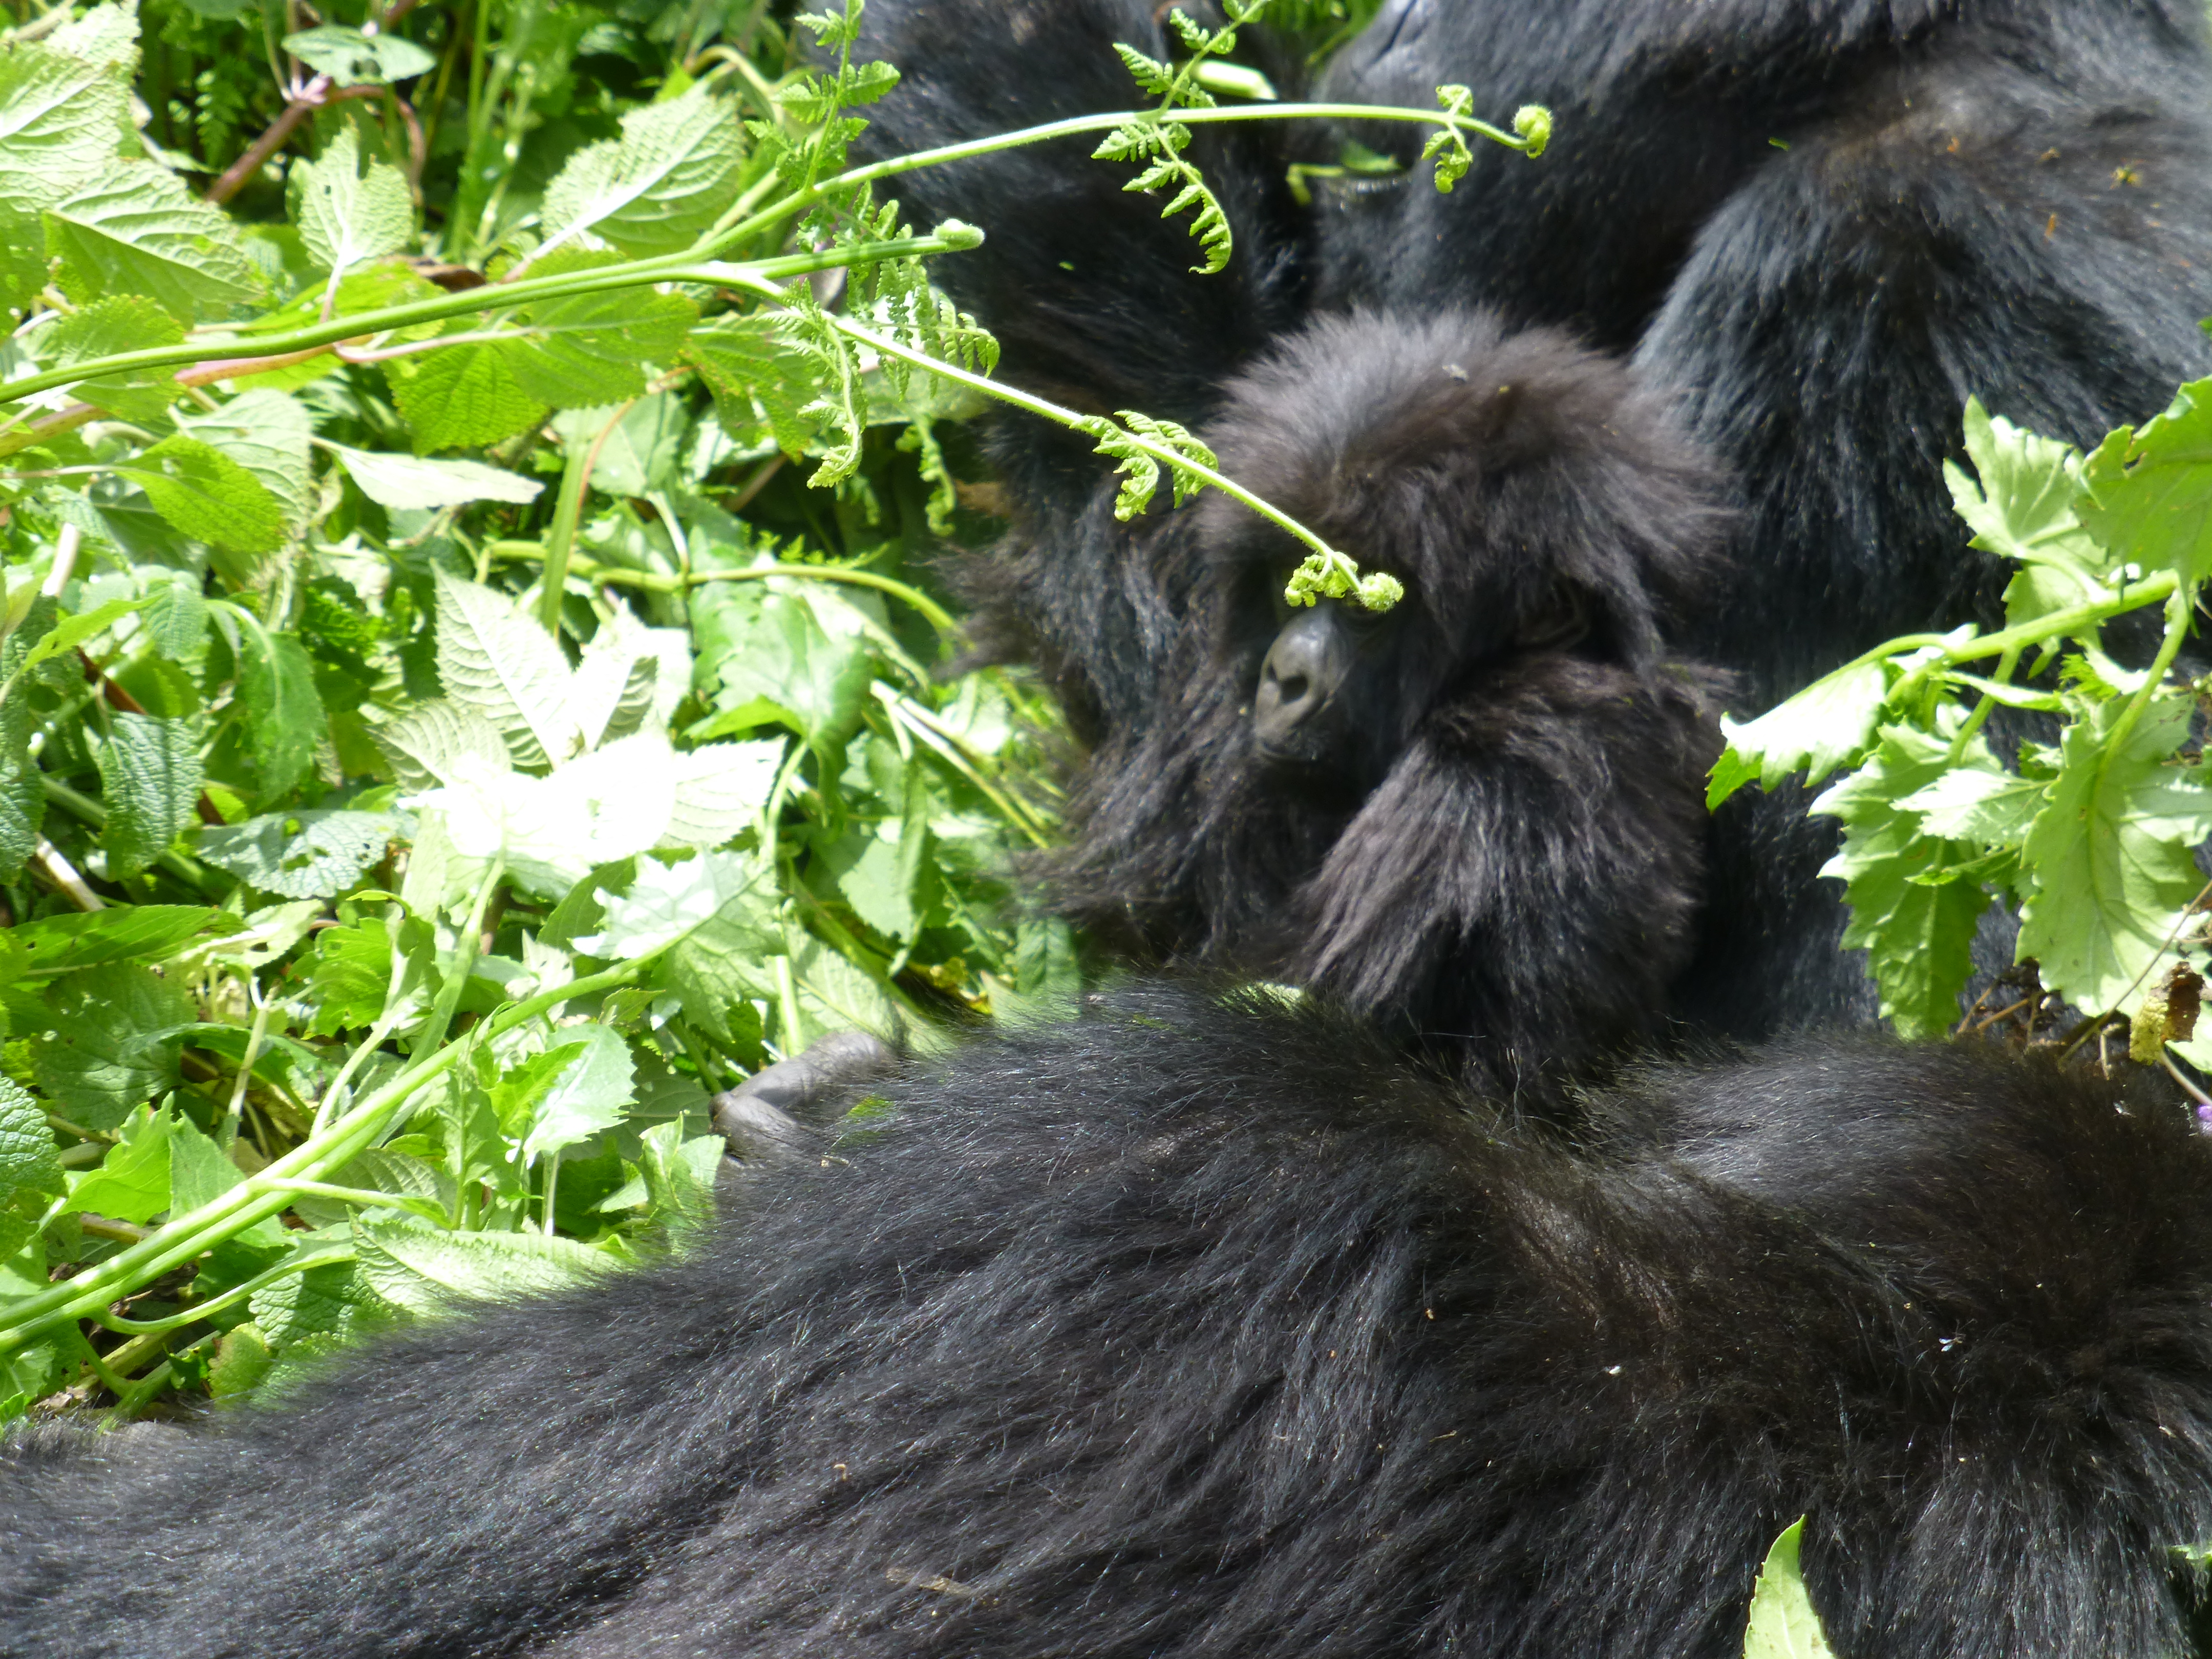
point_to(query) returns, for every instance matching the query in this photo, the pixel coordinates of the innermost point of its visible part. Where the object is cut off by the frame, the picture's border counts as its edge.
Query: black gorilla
(1819, 225)
(1197, 1327)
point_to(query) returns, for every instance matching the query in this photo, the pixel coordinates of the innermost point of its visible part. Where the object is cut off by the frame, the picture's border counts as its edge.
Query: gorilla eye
(1564, 620)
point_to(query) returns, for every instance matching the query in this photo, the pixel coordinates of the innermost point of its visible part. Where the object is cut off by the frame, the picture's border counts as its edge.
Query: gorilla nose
(1304, 670)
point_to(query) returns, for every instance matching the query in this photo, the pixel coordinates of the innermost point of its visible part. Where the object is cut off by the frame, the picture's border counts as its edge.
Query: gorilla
(1816, 225)
(1201, 1327)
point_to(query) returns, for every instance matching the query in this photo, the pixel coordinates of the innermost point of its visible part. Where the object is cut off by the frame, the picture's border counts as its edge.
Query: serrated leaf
(425, 1271)
(208, 495)
(351, 59)
(121, 933)
(132, 1183)
(149, 775)
(2153, 487)
(285, 717)
(107, 35)
(2024, 507)
(1821, 728)
(876, 882)
(587, 1096)
(350, 207)
(1985, 805)
(116, 1037)
(593, 347)
(269, 434)
(658, 187)
(2112, 857)
(62, 120)
(121, 323)
(351, 978)
(329, 1300)
(594, 809)
(1783, 1624)
(304, 855)
(775, 648)
(139, 231)
(665, 903)
(834, 995)
(1917, 934)
(437, 742)
(414, 482)
(502, 664)
(462, 396)
(26, 1145)
(721, 787)
(759, 379)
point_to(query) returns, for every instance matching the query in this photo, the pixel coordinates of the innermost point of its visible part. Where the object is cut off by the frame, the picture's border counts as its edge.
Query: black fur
(1818, 226)
(1198, 1328)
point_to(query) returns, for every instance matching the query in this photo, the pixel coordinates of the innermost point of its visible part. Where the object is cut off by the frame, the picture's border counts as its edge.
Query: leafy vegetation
(471, 681)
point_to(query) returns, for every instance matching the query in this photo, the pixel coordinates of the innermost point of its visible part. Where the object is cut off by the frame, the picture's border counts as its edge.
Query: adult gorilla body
(1200, 1328)
(1818, 226)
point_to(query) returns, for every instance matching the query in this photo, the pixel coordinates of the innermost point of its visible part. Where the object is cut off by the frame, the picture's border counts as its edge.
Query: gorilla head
(1479, 813)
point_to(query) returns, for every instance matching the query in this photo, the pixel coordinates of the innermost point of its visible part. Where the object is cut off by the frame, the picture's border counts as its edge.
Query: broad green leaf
(106, 328)
(62, 121)
(350, 207)
(721, 787)
(600, 807)
(26, 1145)
(1918, 934)
(242, 1355)
(638, 446)
(411, 481)
(70, 632)
(199, 1173)
(116, 1037)
(612, 695)
(593, 348)
(462, 395)
(303, 854)
(330, 1300)
(667, 902)
(2112, 857)
(834, 995)
(2152, 487)
(23, 257)
(424, 1271)
(675, 1176)
(351, 977)
(121, 933)
(587, 1096)
(1822, 727)
(658, 187)
(1784, 1625)
(874, 880)
(439, 742)
(268, 433)
(139, 231)
(493, 658)
(352, 59)
(1985, 804)
(285, 722)
(149, 775)
(132, 1181)
(760, 381)
(2024, 508)
(22, 797)
(772, 646)
(107, 35)
(208, 495)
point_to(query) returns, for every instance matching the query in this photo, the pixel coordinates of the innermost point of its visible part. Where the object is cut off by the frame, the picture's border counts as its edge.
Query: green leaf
(132, 1181)
(666, 903)
(1918, 934)
(760, 381)
(139, 231)
(269, 434)
(116, 1037)
(774, 647)
(720, 789)
(424, 1271)
(208, 495)
(330, 1300)
(2024, 508)
(304, 855)
(200, 1173)
(675, 1176)
(350, 207)
(1822, 727)
(351, 59)
(351, 977)
(440, 742)
(62, 121)
(586, 1095)
(2152, 487)
(638, 446)
(242, 1360)
(493, 658)
(26, 1146)
(657, 188)
(593, 347)
(1784, 1625)
(600, 807)
(23, 257)
(71, 632)
(834, 995)
(106, 328)
(121, 933)
(875, 881)
(2112, 857)
(410, 481)
(149, 775)
(284, 719)
(461, 395)
(1984, 803)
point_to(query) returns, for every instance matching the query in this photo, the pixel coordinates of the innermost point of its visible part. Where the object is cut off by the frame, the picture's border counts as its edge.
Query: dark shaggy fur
(1198, 1328)
(1819, 225)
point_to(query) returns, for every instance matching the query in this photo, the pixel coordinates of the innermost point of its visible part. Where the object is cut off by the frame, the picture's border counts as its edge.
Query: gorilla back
(1198, 1328)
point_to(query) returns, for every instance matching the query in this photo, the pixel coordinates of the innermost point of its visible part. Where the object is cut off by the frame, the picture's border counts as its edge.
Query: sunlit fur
(1200, 1330)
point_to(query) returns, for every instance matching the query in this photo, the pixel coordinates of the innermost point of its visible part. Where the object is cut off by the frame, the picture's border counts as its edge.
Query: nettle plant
(399, 845)
(2086, 810)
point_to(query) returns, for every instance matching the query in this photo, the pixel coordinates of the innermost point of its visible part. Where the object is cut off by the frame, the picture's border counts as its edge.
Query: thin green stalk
(189, 1236)
(2006, 665)
(567, 508)
(461, 959)
(236, 1293)
(655, 581)
(2178, 607)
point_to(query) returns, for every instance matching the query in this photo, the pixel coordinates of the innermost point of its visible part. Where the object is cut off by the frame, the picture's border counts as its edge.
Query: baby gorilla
(1201, 1327)
(1478, 816)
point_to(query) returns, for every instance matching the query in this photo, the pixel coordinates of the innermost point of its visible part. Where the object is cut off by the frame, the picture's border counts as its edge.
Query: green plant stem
(567, 508)
(186, 869)
(463, 957)
(235, 1294)
(2006, 665)
(2178, 607)
(654, 581)
(189, 1236)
